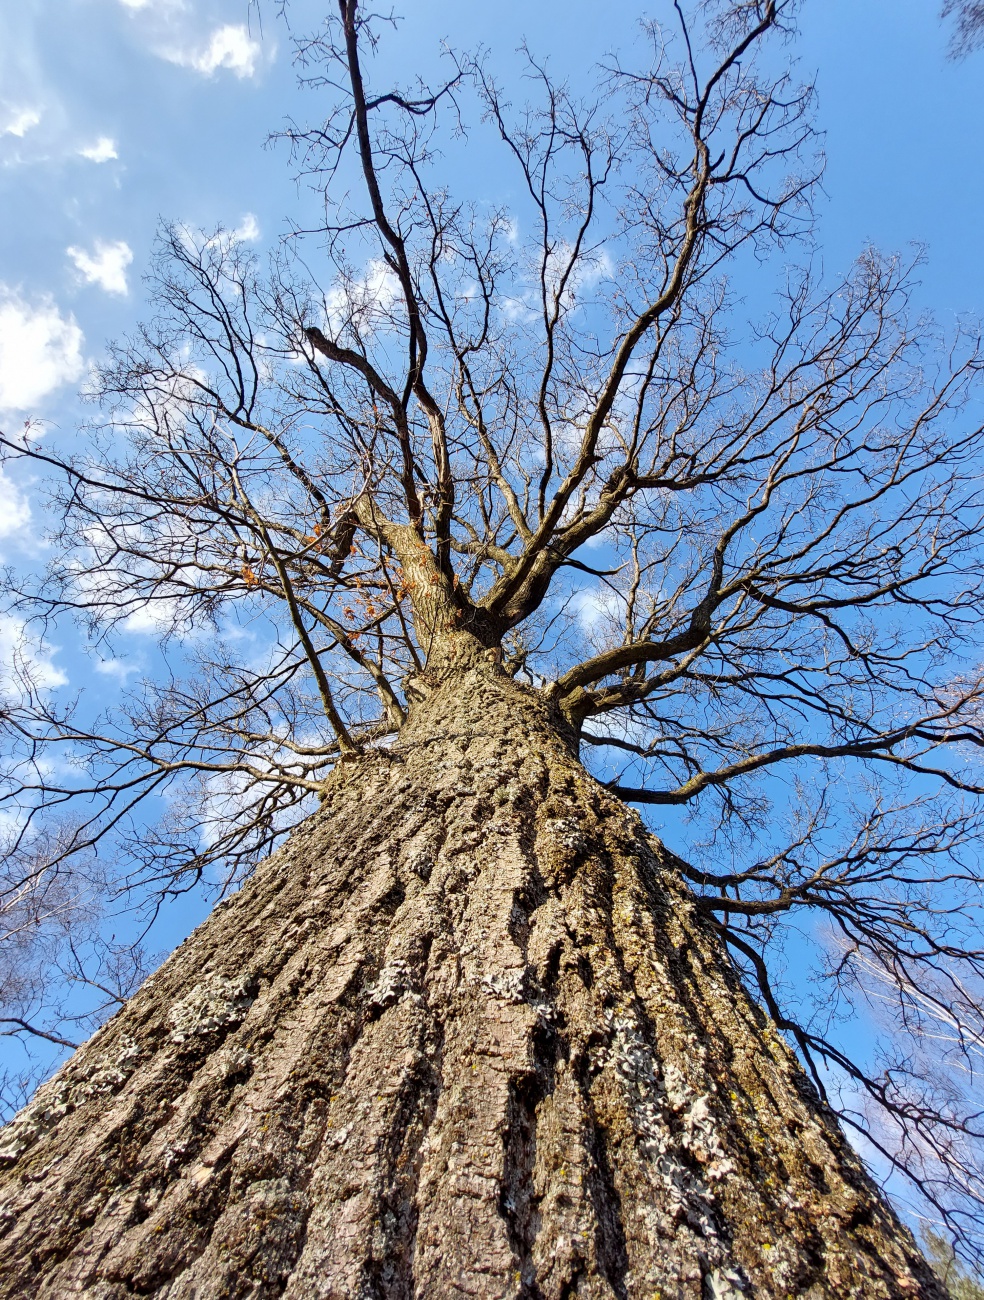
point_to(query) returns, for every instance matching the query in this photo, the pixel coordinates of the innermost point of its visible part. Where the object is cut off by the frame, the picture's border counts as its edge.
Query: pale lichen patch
(565, 829)
(507, 987)
(216, 1003)
(235, 1062)
(65, 1093)
(393, 981)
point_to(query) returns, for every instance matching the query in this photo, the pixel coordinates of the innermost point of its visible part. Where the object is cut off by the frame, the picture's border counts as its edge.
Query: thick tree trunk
(465, 1035)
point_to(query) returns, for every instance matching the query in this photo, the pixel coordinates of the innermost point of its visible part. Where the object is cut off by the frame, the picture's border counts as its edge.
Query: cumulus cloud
(105, 266)
(247, 232)
(102, 151)
(40, 349)
(229, 47)
(18, 121)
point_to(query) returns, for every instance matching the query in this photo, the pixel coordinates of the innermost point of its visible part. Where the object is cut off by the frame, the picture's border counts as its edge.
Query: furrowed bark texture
(465, 1035)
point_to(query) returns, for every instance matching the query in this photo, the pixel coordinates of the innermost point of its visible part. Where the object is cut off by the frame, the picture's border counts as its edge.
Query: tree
(948, 1270)
(969, 16)
(469, 1028)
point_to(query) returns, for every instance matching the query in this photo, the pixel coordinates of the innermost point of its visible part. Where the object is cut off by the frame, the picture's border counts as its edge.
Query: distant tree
(501, 486)
(959, 1284)
(969, 29)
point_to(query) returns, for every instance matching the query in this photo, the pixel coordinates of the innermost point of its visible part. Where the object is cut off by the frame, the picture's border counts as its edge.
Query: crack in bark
(517, 1201)
(613, 1257)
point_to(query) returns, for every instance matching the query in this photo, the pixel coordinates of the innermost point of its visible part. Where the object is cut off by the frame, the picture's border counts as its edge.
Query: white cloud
(102, 151)
(39, 351)
(106, 266)
(229, 47)
(589, 270)
(150, 619)
(248, 230)
(156, 13)
(19, 121)
(24, 662)
(15, 513)
(515, 309)
(232, 48)
(364, 301)
(118, 668)
(194, 239)
(596, 607)
(164, 615)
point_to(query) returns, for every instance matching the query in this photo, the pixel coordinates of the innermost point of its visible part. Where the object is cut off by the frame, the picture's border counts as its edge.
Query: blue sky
(115, 114)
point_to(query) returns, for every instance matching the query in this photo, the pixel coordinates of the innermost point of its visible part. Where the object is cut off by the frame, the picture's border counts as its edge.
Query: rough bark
(465, 1035)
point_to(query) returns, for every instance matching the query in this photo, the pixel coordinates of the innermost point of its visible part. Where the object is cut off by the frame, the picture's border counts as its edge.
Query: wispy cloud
(105, 266)
(596, 607)
(173, 30)
(121, 669)
(224, 238)
(104, 150)
(15, 512)
(155, 618)
(40, 350)
(24, 662)
(363, 302)
(18, 121)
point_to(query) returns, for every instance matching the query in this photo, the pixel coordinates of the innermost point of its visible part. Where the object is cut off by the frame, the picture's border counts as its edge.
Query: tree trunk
(465, 1035)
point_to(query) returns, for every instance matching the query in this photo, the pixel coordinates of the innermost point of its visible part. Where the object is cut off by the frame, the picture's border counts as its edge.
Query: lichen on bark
(464, 1035)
